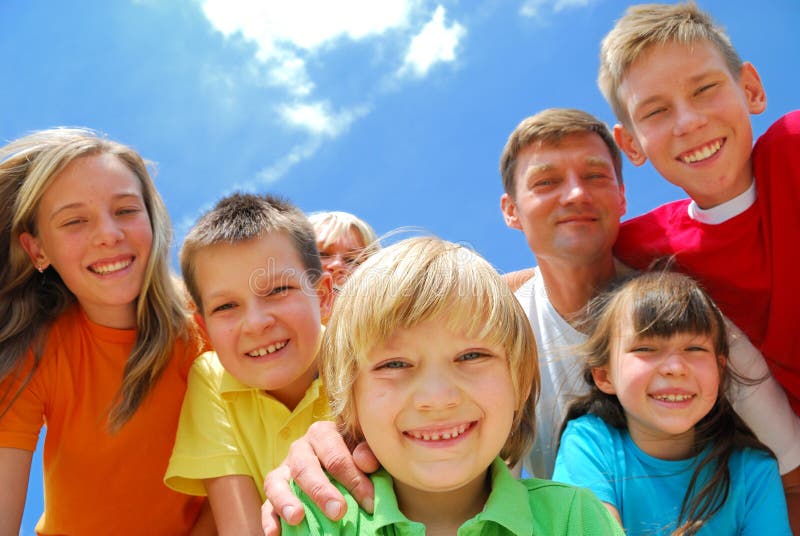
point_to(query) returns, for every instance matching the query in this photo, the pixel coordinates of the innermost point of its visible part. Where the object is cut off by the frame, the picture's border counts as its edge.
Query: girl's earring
(41, 268)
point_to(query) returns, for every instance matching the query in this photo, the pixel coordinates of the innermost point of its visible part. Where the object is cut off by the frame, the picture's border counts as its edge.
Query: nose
(259, 316)
(574, 188)
(107, 232)
(687, 119)
(673, 364)
(436, 390)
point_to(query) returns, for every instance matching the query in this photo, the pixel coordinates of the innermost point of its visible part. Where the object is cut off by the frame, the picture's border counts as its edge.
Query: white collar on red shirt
(725, 211)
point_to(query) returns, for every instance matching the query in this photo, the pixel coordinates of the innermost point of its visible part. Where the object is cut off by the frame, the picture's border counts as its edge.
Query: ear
(602, 380)
(623, 202)
(629, 145)
(34, 250)
(325, 294)
(509, 209)
(753, 89)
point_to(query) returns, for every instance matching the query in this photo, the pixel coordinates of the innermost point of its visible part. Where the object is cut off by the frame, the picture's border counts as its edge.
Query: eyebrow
(79, 204)
(594, 161)
(692, 80)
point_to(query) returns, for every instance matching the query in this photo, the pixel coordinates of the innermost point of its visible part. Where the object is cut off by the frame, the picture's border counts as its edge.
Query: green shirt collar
(508, 504)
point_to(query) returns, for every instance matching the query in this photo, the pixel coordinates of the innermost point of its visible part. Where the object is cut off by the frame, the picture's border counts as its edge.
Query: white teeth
(267, 350)
(703, 153)
(112, 267)
(673, 398)
(436, 436)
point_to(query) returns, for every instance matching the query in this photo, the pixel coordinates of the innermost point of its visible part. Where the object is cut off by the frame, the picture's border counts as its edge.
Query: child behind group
(96, 342)
(344, 241)
(431, 360)
(656, 438)
(252, 269)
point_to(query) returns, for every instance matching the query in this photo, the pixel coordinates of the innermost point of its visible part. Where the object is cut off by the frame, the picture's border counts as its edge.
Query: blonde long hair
(28, 166)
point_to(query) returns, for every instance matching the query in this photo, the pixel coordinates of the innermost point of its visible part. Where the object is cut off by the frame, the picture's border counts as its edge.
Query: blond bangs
(413, 281)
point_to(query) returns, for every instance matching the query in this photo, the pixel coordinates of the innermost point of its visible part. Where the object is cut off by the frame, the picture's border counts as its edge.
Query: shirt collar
(507, 506)
(230, 385)
(725, 211)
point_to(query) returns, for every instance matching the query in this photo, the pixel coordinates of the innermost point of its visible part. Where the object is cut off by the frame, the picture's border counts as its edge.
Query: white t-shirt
(763, 406)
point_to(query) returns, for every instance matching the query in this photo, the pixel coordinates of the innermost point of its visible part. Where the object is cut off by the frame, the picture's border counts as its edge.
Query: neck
(677, 447)
(570, 287)
(123, 317)
(443, 512)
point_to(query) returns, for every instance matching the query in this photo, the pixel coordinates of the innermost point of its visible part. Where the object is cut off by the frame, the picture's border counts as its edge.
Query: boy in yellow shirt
(252, 268)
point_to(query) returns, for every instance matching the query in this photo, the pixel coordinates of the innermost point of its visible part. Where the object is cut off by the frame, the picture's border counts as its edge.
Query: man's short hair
(549, 127)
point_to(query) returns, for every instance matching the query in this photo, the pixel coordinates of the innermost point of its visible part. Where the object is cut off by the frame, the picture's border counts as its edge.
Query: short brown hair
(240, 217)
(646, 25)
(550, 126)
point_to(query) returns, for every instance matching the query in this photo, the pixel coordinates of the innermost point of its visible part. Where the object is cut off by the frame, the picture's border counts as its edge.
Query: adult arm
(235, 504)
(321, 446)
(761, 402)
(15, 467)
(780, 430)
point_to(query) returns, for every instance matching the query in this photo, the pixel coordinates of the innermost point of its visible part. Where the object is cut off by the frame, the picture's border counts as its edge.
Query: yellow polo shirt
(228, 428)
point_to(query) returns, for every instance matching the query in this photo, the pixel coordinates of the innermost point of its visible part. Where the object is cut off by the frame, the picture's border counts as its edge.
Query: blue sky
(395, 110)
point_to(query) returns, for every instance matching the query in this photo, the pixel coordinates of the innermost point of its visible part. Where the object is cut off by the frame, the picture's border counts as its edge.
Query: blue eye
(471, 356)
(395, 364)
(223, 307)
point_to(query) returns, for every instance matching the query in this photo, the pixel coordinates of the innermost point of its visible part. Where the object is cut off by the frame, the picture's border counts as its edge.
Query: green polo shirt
(514, 507)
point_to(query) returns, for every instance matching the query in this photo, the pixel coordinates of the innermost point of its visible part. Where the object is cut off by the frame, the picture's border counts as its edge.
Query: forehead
(662, 68)
(346, 238)
(88, 177)
(580, 148)
(229, 264)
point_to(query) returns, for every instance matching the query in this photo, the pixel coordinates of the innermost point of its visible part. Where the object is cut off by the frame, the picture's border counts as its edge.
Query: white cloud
(318, 119)
(280, 168)
(290, 36)
(285, 33)
(536, 8)
(435, 43)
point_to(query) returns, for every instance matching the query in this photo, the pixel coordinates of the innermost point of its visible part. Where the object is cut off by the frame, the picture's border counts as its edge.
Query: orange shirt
(96, 482)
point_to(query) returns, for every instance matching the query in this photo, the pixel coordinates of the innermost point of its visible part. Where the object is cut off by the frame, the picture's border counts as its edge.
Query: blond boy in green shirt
(430, 359)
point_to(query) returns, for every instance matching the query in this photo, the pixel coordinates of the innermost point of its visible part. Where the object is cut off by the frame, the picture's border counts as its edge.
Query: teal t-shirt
(514, 507)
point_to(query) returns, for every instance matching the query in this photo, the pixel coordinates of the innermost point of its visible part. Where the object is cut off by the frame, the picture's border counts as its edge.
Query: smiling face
(567, 199)
(435, 406)
(94, 230)
(665, 385)
(262, 313)
(691, 117)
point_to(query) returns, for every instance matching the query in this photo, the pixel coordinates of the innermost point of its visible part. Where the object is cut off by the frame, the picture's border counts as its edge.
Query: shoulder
(569, 507)
(206, 370)
(749, 461)
(590, 425)
(786, 126)
(661, 215)
(780, 140)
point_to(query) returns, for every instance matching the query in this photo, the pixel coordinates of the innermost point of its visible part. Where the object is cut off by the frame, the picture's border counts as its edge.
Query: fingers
(321, 446)
(269, 520)
(280, 499)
